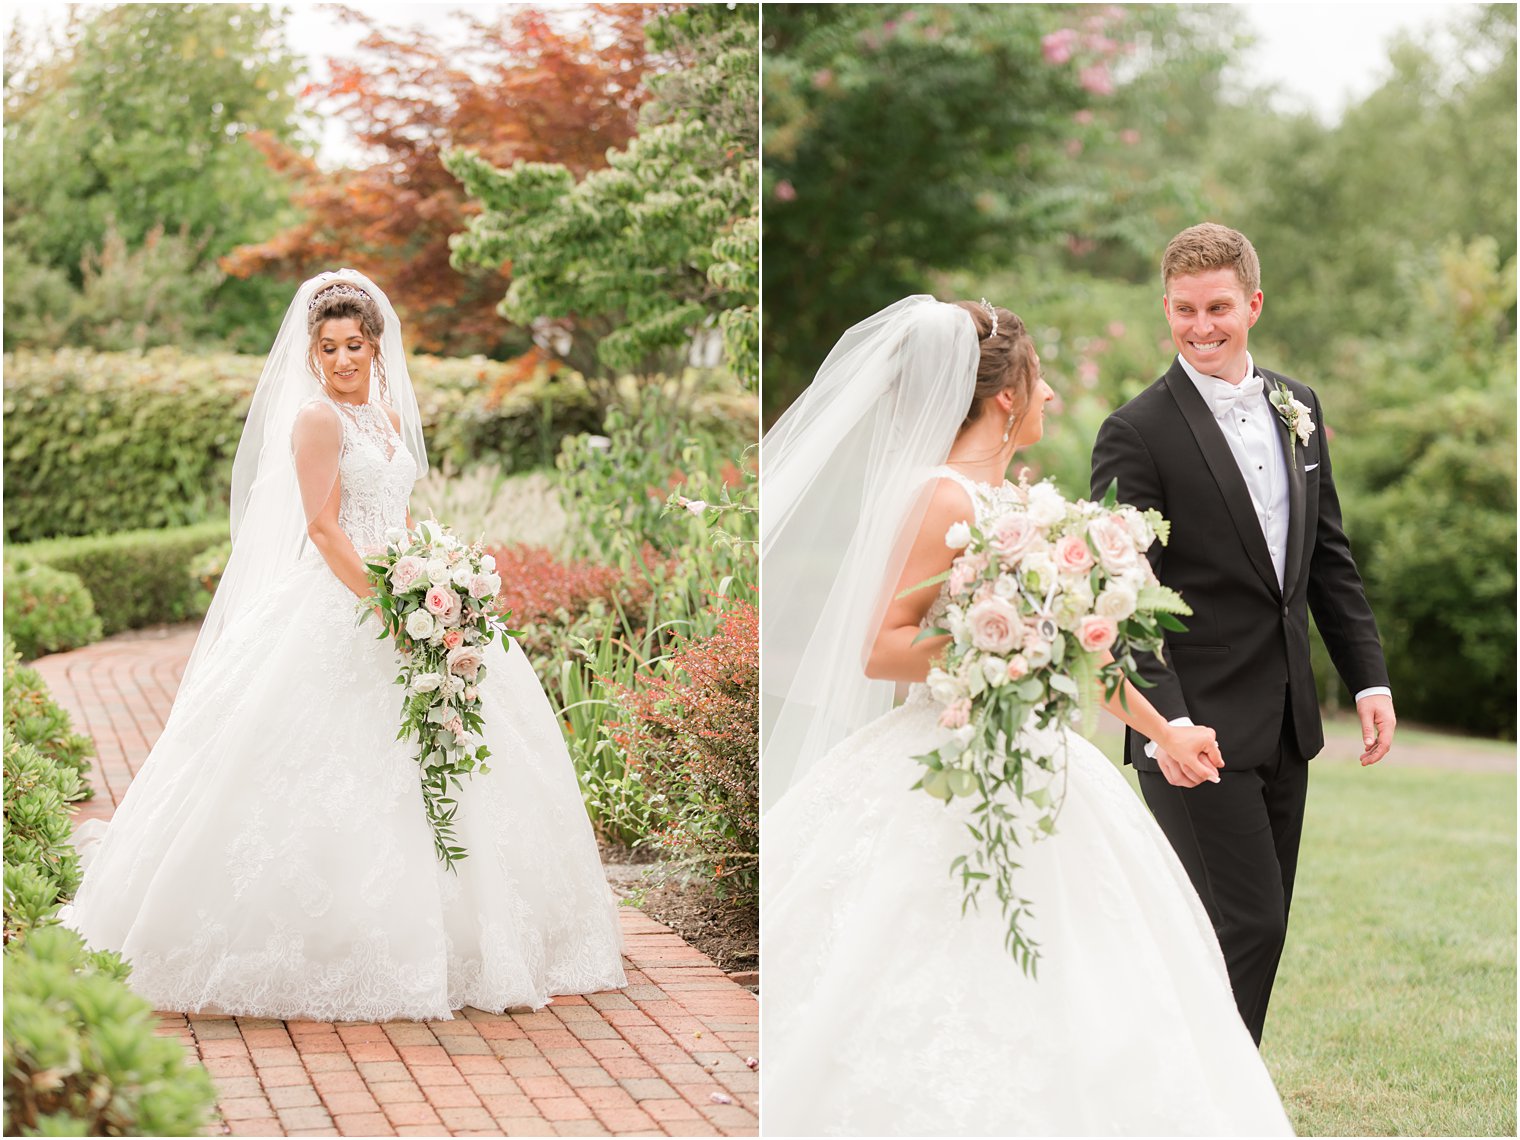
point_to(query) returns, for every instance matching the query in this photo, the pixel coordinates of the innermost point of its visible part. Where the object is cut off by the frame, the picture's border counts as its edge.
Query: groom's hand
(1376, 714)
(1189, 756)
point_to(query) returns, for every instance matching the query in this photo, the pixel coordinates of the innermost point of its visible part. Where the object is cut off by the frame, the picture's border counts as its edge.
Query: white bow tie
(1224, 397)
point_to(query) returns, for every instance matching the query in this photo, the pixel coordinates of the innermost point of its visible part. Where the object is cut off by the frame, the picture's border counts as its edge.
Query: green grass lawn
(1394, 1009)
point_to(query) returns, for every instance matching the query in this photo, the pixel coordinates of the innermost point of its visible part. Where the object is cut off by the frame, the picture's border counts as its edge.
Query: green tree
(905, 140)
(137, 122)
(628, 264)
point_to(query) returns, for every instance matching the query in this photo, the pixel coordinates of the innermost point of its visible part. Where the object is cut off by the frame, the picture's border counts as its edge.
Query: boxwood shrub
(48, 609)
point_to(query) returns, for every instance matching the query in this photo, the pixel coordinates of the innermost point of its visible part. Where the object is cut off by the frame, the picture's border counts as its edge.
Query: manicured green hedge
(136, 578)
(97, 442)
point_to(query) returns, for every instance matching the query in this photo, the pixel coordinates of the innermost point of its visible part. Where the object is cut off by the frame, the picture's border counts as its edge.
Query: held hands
(1189, 755)
(1376, 714)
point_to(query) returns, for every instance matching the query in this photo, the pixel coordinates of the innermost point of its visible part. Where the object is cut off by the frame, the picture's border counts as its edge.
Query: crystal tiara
(339, 290)
(991, 312)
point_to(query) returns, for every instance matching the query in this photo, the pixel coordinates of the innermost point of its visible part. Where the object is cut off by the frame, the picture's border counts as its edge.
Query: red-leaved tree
(530, 85)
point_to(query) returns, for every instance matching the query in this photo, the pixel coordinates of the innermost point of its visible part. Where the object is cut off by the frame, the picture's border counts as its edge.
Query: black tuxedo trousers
(1242, 666)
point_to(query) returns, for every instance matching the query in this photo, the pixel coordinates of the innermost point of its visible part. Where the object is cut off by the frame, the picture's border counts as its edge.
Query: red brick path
(666, 1056)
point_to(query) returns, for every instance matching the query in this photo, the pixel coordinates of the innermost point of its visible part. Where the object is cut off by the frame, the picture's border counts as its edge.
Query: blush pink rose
(480, 586)
(443, 603)
(453, 639)
(406, 572)
(965, 570)
(466, 661)
(1115, 543)
(995, 625)
(1013, 535)
(1018, 668)
(1072, 555)
(956, 714)
(1097, 633)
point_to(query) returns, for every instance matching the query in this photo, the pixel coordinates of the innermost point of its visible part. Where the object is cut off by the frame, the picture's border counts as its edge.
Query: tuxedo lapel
(1294, 458)
(1221, 461)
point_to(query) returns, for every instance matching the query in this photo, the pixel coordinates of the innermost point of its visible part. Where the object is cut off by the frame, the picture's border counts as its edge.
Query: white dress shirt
(1251, 427)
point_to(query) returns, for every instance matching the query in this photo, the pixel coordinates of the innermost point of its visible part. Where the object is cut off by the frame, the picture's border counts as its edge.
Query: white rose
(461, 575)
(1006, 586)
(1139, 529)
(395, 536)
(1117, 601)
(438, 571)
(429, 530)
(426, 682)
(1036, 653)
(495, 581)
(943, 687)
(453, 684)
(995, 669)
(964, 735)
(1046, 507)
(958, 536)
(419, 624)
(1042, 568)
(488, 563)
(1074, 603)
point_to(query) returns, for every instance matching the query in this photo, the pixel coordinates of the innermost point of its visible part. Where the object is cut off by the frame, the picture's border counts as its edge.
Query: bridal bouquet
(1040, 591)
(434, 594)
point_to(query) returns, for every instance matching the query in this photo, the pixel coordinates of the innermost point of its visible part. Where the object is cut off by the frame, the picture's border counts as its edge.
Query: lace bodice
(376, 473)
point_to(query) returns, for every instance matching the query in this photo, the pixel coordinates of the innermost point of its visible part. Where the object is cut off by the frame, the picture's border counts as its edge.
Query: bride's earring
(1008, 427)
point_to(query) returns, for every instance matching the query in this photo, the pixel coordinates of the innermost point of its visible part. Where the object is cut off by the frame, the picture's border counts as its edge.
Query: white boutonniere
(1294, 414)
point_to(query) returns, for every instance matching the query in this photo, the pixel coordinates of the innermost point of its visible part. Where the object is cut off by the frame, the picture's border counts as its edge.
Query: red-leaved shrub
(692, 732)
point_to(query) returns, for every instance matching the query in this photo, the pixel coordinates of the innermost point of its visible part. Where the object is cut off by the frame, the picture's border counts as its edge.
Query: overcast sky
(1323, 56)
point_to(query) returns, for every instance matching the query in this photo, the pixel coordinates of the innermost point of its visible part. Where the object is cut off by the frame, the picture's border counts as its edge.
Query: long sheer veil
(268, 520)
(844, 482)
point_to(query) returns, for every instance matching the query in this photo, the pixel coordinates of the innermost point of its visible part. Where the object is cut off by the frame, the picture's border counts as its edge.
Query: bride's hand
(1189, 755)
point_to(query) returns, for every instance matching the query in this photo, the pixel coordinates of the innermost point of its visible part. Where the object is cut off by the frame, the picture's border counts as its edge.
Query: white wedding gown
(888, 1013)
(272, 857)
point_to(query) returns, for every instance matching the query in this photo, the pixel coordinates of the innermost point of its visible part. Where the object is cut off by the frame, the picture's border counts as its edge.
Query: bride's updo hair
(343, 300)
(1007, 360)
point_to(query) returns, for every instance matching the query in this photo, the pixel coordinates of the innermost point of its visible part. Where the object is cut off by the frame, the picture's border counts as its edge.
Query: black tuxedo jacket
(1246, 650)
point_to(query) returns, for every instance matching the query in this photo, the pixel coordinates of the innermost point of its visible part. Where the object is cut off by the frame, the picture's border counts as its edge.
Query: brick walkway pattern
(670, 1055)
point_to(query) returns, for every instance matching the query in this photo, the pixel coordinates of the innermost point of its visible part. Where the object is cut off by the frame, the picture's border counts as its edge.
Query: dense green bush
(81, 1057)
(41, 868)
(137, 578)
(98, 442)
(33, 717)
(48, 609)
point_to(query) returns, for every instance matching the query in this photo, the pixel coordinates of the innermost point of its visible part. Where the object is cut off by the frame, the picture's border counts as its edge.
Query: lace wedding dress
(272, 857)
(888, 1013)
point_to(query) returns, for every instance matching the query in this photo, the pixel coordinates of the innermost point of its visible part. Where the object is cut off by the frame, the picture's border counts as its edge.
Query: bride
(273, 857)
(887, 1011)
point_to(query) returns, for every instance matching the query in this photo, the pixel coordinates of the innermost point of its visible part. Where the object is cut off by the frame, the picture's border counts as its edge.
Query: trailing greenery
(47, 609)
(33, 717)
(138, 577)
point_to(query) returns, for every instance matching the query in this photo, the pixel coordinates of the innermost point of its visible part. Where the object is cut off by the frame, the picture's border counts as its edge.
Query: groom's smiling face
(1211, 317)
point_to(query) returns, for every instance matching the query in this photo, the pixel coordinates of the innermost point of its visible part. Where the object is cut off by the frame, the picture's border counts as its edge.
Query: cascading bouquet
(1040, 591)
(435, 598)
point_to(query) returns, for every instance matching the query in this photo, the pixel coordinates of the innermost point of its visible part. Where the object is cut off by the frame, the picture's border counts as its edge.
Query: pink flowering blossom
(1096, 79)
(1084, 117)
(956, 714)
(1129, 136)
(785, 191)
(1059, 45)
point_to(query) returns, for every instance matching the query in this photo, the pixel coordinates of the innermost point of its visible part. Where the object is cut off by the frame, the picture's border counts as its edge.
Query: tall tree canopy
(136, 123)
(530, 85)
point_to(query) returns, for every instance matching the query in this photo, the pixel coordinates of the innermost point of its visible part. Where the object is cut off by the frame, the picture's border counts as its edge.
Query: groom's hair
(1207, 246)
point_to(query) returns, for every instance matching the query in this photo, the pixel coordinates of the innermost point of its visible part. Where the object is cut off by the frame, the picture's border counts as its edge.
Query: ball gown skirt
(273, 857)
(888, 1013)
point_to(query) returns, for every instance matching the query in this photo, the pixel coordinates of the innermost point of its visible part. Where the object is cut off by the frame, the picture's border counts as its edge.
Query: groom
(1236, 457)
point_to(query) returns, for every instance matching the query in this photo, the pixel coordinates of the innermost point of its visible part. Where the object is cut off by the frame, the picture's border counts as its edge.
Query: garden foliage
(48, 610)
(81, 1056)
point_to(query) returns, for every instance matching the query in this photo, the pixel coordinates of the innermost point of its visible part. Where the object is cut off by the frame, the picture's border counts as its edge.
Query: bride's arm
(1193, 747)
(893, 655)
(317, 442)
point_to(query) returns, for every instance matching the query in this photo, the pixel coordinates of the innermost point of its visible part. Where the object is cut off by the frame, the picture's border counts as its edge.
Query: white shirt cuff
(1375, 691)
(1150, 745)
